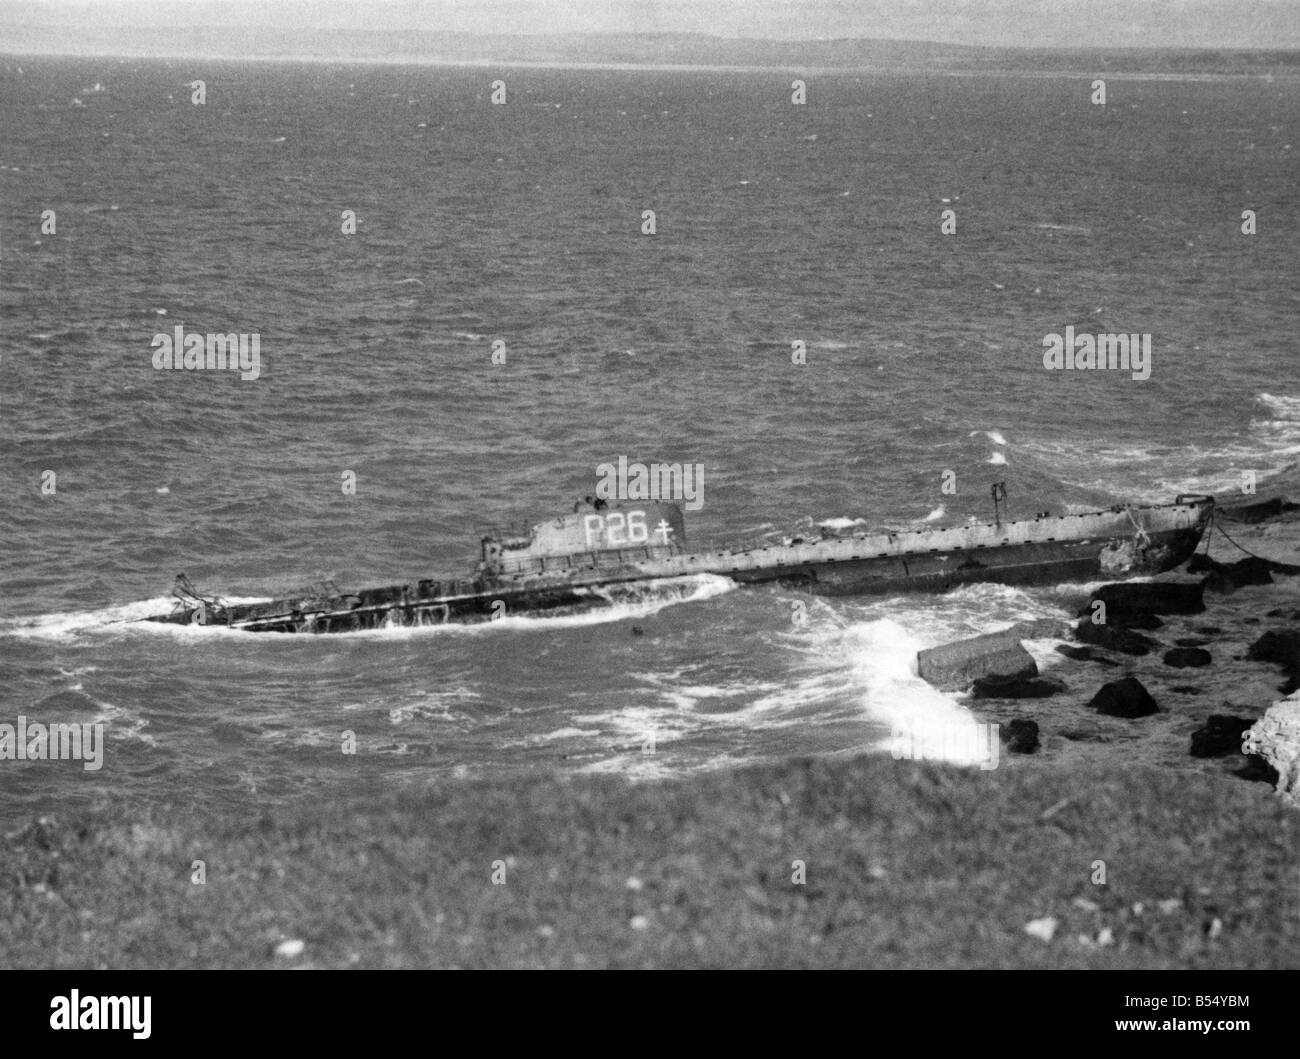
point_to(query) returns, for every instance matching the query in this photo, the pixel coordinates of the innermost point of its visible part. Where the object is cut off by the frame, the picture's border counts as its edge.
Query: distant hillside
(674, 49)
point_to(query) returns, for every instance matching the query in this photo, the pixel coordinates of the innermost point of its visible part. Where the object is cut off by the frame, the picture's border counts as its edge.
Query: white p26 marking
(616, 528)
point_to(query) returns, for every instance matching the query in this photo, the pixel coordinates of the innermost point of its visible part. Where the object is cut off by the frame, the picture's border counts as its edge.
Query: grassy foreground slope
(907, 865)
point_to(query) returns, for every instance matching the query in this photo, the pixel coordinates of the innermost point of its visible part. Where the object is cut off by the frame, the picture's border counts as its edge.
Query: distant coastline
(806, 71)
(675, 52)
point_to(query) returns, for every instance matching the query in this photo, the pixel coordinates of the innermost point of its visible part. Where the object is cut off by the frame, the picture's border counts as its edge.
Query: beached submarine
(583, 557)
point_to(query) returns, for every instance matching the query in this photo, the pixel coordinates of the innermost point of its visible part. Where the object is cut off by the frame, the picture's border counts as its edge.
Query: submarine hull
(1023, 564)
(545, 576)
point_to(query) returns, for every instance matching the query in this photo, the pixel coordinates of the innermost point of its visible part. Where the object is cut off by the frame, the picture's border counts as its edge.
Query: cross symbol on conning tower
(664, 530)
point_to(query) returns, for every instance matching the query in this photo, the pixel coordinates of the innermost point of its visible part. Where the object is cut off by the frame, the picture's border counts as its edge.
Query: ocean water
(521, 223)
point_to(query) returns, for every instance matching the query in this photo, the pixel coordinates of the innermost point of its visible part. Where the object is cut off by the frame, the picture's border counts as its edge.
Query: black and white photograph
(647, 484)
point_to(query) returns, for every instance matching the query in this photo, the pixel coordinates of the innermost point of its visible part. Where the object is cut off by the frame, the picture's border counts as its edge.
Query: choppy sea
(522, 223)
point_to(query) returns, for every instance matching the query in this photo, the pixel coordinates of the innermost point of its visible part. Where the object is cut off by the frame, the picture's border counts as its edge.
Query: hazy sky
(1060, 23)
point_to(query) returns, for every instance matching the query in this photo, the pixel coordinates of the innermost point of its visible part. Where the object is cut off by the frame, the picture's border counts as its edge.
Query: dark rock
(1187, 657)
(1127, 600)
(955, 666)
(1084, 654)
(1228, 577)
(1254, 510)
(1189, 641)
(1249, 621)
(1220, 735)
(1125, 697)
(1258, 770)
(1276, 612)
(1016, 686)
(1207, 630)
(1020, 736)
(1251, 570)
(1187, 689)
(1114, 638)
(1283, 648)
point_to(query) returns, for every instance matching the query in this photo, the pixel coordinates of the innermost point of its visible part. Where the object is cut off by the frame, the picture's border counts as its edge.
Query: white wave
(643, 730)
(756, 700)
(440, 705)
(1286, 409)
(934, 515)
(636, 735)
(997, 459)
(923, 721)
(563, 733)
(645, 724)
(792, 704)
(65, 625)
(994, 436)
(857, 670)
(971, 610)
(841, 523)
(633, 767)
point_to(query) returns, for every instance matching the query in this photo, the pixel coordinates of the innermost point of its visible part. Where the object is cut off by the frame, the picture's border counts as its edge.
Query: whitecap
(923, 721)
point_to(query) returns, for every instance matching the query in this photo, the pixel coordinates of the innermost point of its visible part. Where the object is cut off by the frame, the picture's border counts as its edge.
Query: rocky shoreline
(1172, 672)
